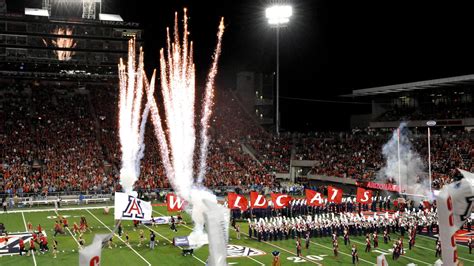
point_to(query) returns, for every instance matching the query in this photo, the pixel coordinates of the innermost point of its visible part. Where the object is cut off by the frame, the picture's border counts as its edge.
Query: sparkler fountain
(177, 143)
(131, 130)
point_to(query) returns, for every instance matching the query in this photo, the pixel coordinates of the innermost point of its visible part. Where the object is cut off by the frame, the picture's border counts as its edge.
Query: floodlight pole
(278, 80)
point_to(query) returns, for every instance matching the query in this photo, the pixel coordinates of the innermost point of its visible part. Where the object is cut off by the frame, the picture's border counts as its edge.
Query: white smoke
(408, 171)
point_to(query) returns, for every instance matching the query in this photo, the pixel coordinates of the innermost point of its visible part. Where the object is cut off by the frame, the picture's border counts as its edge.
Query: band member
(298, 247)
(307, 240)
(367, 243)
(376, 239)
(355, 255)
(386, 236)
(40, 229)
(346, 237)
(335, 247)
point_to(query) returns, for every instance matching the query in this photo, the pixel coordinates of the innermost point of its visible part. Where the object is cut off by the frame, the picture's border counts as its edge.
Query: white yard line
(256, 260)
(26, 229)
(410, 258)
(62, 209)
(306, 259)
(167, 239)
(119, 237)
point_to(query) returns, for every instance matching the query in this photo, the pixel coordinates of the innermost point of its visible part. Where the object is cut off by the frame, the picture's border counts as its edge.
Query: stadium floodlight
(278, 16)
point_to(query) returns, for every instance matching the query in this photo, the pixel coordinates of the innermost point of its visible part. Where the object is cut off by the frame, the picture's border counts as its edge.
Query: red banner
(364, 196)
(314, 198)
(389, 187)
(174, 203)
(280, 200)
(334, 194)
(258, 201)
(237, 201)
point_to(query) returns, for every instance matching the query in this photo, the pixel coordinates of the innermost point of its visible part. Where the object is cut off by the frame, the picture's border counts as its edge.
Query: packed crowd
(61, 138)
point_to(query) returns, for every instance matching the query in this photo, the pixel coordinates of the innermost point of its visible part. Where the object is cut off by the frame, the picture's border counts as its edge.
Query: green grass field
(319, 253)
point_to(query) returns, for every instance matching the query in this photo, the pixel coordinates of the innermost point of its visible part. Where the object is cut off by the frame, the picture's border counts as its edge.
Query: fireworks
(132, 119)
(177, 145)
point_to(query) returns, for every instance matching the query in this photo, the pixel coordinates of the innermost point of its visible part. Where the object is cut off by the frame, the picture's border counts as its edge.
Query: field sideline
(319, 253)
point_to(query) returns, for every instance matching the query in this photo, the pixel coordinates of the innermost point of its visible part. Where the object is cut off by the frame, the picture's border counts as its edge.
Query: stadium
(189, 135)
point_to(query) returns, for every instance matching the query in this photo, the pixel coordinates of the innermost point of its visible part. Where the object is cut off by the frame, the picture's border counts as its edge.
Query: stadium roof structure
(412, 86)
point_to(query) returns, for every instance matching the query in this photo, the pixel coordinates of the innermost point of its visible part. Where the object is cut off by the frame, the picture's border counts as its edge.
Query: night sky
(328, 49)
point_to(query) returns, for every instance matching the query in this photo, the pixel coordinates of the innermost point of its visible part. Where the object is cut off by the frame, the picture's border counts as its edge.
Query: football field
(241, 252)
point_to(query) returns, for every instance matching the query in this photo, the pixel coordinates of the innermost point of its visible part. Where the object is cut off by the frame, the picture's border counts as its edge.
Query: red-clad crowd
(61, 138)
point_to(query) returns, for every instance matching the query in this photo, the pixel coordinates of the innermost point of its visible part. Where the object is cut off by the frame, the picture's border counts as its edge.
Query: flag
(237, 201)
(258, 201)
(128, 207)
(334, 194)
(90, 255)
(381, 261)
(364, 196)
(217, 226)
(174, 203)
(280, 200)
(455, 202)
(313, 198)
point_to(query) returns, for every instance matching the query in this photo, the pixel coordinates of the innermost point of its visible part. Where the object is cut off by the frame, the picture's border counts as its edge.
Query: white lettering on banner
(317, 197)
(334, 193)
(278, 200)
(366, 196)
(176, 201)
(260, 198)
(236, 202)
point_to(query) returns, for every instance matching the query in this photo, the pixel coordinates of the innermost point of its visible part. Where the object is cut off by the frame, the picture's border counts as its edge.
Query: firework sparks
(177, 143)
(131, 130)
(178, 87)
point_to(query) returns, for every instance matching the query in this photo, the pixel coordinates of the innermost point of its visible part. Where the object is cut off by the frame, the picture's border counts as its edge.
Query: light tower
(88, 8)
(278, 16)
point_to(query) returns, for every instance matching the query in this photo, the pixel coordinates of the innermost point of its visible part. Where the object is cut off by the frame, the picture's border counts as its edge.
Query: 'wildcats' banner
(314, 198)
(455, 202)
(174, 203)
(258, 201)
(280, 200)
(334, 194)
(127, 207)
(364, 196)
(237, 201)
